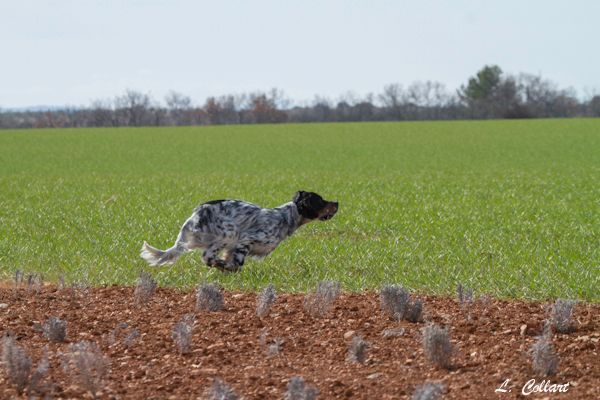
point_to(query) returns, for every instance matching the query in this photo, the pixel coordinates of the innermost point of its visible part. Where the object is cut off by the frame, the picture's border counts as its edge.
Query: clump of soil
(491, 345)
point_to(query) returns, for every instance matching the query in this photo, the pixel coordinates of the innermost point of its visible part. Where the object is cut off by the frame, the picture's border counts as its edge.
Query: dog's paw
(218, 264)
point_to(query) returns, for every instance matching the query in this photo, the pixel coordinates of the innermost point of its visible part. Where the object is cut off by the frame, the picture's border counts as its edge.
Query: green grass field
(509, 208)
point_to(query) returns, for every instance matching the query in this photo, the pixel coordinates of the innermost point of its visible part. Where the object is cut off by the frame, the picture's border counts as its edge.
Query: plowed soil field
(491, 341)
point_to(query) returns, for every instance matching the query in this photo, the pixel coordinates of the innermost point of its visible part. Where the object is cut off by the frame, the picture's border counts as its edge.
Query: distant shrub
(265, 300)
(35, 381)
(18, 367)
(114, 335)
(437, 346)
(272, 348)
(220, 391)
(209, 297)
(319, 303)
(485, 300)
(544, 358)
(55, 329)
(392, 332)
(86, 365)
(414, 311)
(428, 391)
(357, 351)
(465, 295)
(31, 279)
(395, 302)
(298, 389)
(131, 337)
(61, 283)
(123, 332)
(80, 290)
(394, 299)
(18, 278)
(182, 334)
(35, 283)
(17, 363)
(144, 288)
(561, 315)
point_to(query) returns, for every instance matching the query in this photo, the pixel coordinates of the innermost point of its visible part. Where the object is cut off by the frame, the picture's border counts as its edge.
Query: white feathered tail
(156, 257)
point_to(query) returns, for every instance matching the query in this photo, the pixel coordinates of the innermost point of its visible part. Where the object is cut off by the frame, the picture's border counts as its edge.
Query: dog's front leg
(237, 257)
(210, 257)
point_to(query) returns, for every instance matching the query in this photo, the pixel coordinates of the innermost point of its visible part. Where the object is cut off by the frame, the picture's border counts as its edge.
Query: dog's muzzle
(329, 211)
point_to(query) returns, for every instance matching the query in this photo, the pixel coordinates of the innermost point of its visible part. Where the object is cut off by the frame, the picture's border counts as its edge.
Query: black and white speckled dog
(230, 230)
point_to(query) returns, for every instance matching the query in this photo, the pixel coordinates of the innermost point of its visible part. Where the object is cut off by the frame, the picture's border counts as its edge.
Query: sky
(72, 52)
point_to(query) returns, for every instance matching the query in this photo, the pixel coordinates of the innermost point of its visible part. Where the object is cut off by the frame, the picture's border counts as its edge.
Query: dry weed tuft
(437, 346)
(55, 329)
(209, 297)
(144, 288)
(319, 303)
(357, 351)
(298, 389)
(428, 391)
(265, 300)
(87, 366)
(182, 333)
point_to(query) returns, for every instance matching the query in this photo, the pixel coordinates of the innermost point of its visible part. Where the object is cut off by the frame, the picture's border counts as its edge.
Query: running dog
(229, 230)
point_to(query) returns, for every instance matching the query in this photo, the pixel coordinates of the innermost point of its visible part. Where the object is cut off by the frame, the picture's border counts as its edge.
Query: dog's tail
(156, 257)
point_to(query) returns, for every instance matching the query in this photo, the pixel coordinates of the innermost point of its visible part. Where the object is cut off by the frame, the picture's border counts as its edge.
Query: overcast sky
(70, 52)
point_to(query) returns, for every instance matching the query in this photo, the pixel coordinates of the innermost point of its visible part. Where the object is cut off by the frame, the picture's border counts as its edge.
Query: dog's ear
(305, 205)
(298, 196)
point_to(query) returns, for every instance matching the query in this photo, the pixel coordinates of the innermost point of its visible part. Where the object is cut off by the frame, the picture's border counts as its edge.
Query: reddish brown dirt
(490, 348)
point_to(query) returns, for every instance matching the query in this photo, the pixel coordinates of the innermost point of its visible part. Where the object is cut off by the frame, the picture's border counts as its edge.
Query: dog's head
(312, 206)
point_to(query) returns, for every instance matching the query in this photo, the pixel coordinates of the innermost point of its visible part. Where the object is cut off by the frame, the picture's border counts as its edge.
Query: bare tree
(279, 99)
(565, 105)
(364, 109)
(593, 106)
(426, 98)
(133, 107)
(506, 101)
(392, 98)
(263, 107)
(179, 108)
(102, 113)
(176, 101)
(537, 93)
(222, 110)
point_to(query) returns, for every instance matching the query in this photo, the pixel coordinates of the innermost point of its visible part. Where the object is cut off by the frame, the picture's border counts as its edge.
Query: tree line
(489, 94)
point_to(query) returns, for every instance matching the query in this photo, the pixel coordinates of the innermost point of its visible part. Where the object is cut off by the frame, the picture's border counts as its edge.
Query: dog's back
(220, 215)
